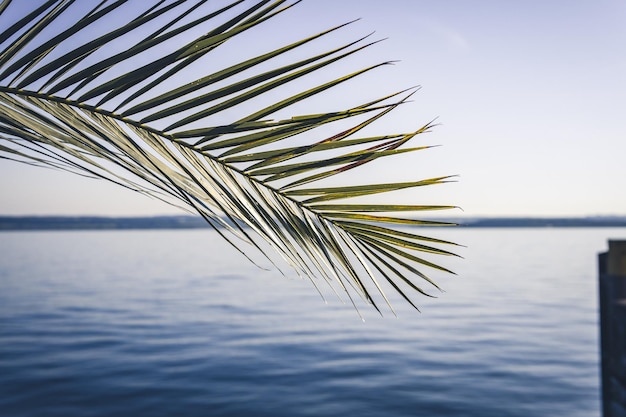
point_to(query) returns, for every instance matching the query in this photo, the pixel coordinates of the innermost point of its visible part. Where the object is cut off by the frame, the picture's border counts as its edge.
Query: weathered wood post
(612, 291)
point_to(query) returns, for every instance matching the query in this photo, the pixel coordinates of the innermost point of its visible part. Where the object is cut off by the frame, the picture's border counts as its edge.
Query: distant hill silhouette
(99, 223)
(190, 222)
(613, 221)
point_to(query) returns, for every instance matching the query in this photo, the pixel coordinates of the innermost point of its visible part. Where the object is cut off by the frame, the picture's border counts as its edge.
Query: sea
(178, 323)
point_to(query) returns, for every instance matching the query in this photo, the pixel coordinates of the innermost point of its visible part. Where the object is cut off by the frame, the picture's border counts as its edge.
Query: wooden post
(612, 291)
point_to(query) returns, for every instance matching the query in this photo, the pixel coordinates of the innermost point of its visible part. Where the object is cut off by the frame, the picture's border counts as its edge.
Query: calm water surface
(164, 323)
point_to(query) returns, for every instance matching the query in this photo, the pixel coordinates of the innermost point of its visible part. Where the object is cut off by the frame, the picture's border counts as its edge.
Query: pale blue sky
(530, 96)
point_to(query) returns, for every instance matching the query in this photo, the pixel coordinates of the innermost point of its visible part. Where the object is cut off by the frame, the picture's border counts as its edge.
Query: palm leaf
(109, 104)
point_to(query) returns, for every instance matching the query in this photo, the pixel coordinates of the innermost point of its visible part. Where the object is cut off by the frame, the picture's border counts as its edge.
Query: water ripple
(87, 338)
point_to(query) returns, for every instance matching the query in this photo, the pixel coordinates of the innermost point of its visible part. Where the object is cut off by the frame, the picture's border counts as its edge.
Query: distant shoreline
(25, 223)
(16, 223)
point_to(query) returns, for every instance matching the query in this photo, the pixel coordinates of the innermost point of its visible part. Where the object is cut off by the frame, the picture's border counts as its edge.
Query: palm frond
(81, 92)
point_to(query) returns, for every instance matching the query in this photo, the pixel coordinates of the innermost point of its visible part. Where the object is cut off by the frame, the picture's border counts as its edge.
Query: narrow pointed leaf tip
(139, 94)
